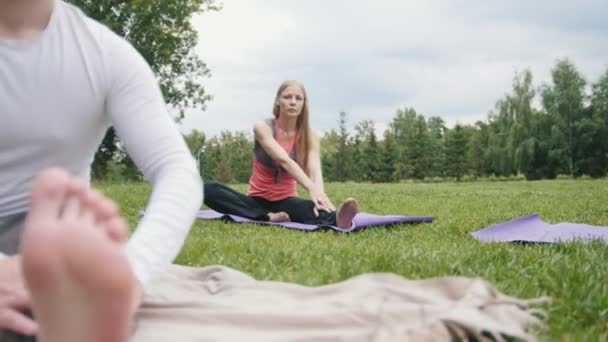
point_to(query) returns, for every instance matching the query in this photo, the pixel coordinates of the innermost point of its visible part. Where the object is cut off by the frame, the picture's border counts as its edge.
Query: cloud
(454, 59)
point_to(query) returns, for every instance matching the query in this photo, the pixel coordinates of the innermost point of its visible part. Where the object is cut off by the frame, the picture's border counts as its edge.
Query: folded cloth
(217, 303)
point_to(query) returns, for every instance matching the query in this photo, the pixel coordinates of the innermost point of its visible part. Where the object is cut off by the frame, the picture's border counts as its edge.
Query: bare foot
(80, 281)
(346, 213)
(107, 215)
(279, 217)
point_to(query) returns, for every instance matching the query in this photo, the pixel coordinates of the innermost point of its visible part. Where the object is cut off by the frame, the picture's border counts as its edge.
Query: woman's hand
(321, 201)
(14, 298)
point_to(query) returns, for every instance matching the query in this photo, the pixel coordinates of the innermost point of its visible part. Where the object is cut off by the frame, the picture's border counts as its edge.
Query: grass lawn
(575, 275)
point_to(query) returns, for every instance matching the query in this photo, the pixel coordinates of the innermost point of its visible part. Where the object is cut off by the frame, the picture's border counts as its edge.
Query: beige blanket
(221, 304)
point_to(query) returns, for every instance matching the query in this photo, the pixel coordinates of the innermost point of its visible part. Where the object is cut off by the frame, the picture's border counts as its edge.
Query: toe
(104, 209)
(48, 194)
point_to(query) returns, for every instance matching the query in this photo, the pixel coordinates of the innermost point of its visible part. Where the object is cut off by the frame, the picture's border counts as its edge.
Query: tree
(500, 141)
(437, 128)
(342, 155)
(455, 152)
(216, 165)
(477, 150)
(533, 153)
(227, 157)
(370, 153)
(357, 169)
(521, 103)
(387, 158)
(563, 100)
(417, 149)
(196, 141)
(510, 127)
(402, 127)
(162, 32)
(105, 154)
(329, 155)
(240, 149)
(598, 150)
(365, 151)
(599, 97)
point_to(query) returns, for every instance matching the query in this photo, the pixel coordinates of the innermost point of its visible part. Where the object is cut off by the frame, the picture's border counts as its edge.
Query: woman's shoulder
(263, 127)
(314, 136)
(264, 122)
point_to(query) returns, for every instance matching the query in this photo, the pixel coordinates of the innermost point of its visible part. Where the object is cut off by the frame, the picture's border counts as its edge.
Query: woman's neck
(22, 19)
(287, 124)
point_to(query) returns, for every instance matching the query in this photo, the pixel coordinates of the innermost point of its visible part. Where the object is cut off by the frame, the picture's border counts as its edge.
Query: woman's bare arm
(263, 135)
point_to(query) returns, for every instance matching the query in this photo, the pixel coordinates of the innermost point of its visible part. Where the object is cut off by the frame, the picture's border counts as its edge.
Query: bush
(468, 178)
(435, 179)
(519, 177)
(115, 172)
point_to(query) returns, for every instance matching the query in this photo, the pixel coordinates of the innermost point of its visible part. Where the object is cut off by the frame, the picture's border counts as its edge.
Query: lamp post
(198, 159)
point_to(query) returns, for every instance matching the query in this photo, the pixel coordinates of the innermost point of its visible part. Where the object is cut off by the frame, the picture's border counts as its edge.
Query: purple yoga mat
(362, 220)
(533, 229)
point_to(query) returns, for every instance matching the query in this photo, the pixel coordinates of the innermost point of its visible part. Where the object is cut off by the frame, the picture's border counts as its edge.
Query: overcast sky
(451, 58)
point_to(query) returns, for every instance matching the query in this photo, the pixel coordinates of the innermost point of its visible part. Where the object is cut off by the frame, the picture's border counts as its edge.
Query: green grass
(575, 275)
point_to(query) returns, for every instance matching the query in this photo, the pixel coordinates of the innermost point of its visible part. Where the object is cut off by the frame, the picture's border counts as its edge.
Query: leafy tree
(329, 155)
(196, 141)
(563, 100)
(387, 158)
(598, 149)
(370, 153)
(366, 145)
(162, 32)
(402, 127)
(436, 127)
(455, 152)
(228, 157)
(343, 157)
(417, 149)
(533, 153)
(477, 150)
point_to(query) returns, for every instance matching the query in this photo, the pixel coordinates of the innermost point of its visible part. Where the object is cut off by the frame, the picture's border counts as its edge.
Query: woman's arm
(314, 169)
(139, 114)
(263, 135)
(314, 161)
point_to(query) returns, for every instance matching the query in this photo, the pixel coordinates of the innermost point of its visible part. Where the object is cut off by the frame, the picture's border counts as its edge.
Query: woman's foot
(346, 213)
(80, 281)
(278, 217)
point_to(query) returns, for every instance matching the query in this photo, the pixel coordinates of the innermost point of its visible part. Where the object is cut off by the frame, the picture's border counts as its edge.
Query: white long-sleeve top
(59, 93)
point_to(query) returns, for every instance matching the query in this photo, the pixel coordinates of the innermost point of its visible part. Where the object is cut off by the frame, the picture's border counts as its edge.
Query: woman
(65, 80)
(286, 152)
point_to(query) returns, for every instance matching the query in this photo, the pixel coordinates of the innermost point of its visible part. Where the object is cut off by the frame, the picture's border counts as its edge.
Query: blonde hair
(302, 125)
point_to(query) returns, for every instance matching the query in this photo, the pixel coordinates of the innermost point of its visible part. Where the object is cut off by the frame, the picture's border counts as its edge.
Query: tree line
(567, 135)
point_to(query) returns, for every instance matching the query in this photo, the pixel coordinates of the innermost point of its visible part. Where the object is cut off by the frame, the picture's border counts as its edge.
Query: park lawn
(574, 275)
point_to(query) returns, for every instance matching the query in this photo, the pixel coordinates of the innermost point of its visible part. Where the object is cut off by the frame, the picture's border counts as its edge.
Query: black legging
(226, 200)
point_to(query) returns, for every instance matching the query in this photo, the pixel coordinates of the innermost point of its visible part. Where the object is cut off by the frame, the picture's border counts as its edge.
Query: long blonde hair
(302, 125)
